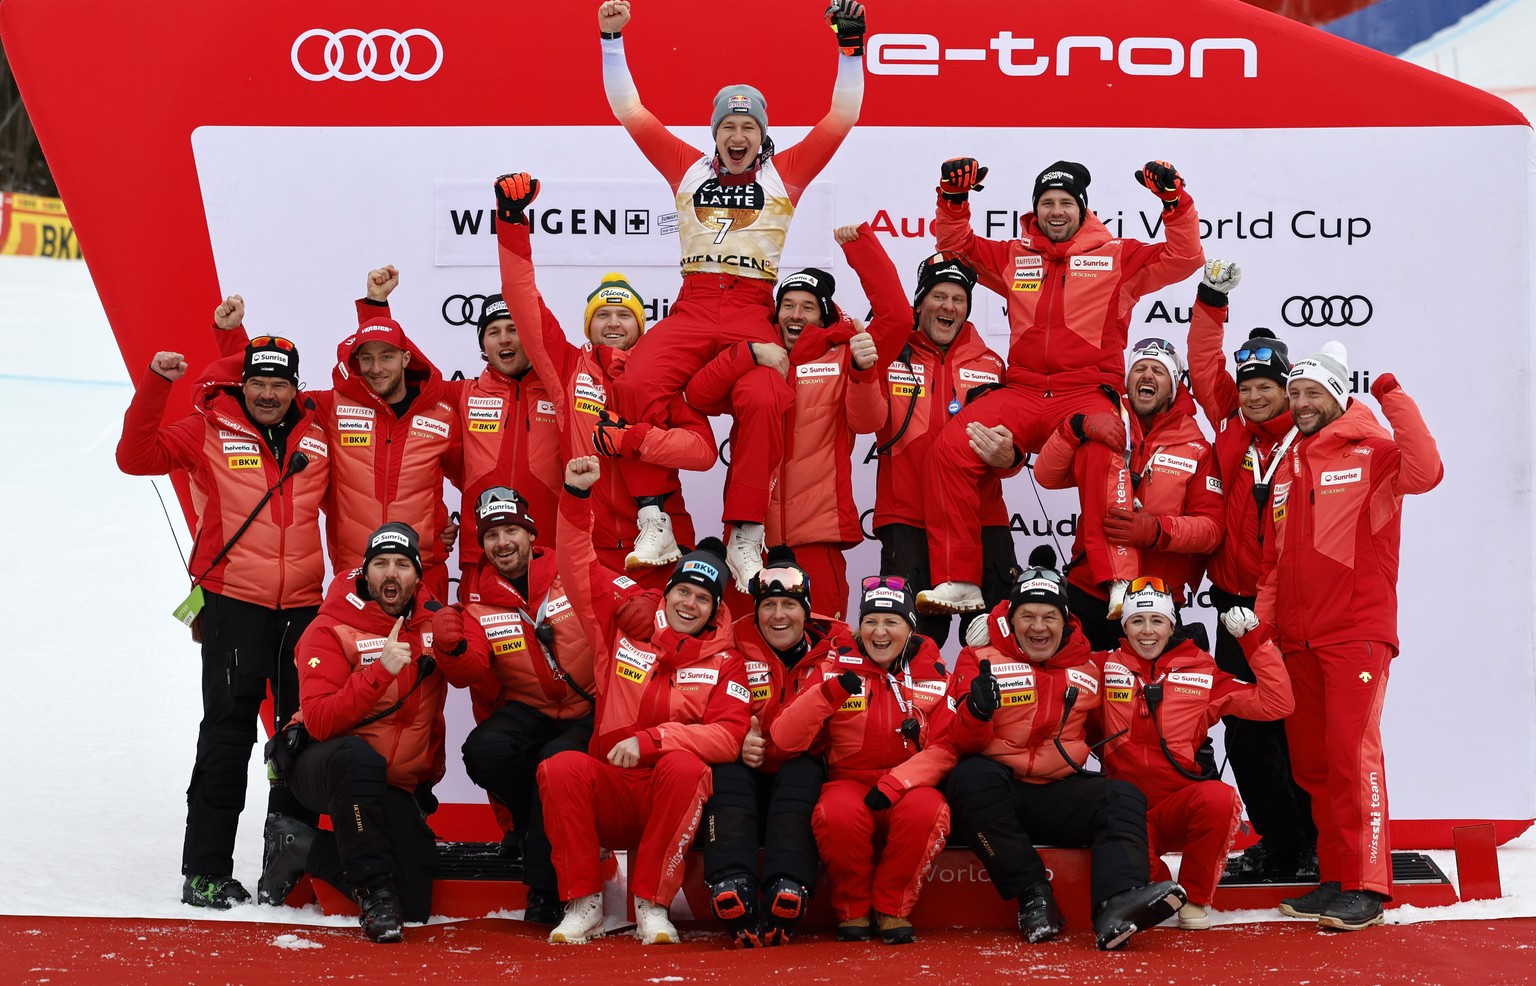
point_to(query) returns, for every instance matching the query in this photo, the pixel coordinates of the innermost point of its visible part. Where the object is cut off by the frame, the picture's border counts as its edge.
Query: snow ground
(1489, 48)
(101, 706)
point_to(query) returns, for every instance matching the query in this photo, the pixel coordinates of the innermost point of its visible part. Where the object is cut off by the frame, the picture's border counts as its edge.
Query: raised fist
(1384, 385)
(846, 18)
(612, 15)
(230, 314)
(169, 365)
(514, 193)
(582, 473)
(960, 176)
(382, 281)
(1162, 179)
(1221, 275)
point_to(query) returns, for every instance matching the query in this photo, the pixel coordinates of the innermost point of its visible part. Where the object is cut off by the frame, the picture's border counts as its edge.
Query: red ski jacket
(861, 734)
(276, 563)
(1069, 304)
(1195, 694)
(935, 384)
(668, 690)
(1331, 569)
(1177, 484)
(1241, 447)
(504, 661)
(772, 684)
(341, 681)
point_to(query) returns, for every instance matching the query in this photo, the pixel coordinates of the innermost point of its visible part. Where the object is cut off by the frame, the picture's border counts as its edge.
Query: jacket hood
(346, 377)
(217, 395)
(346, 605)
(1074, 647)
(1272, 430)
(1356, 423)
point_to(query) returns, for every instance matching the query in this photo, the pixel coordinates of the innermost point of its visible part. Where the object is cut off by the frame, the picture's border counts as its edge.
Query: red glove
(514, 193)
(1103, 427)
(1162, 179)
(636, 615)
(634, 437)
(1384, 385)
(448, 631)
(959, 176)
(1140, 530)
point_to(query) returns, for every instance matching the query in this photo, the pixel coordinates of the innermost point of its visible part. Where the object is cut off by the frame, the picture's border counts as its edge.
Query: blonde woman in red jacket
(1162, 694)
(870, 704)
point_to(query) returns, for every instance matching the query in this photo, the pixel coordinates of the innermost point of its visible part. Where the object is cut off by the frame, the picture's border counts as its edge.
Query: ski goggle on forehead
(784, 579)
(1160, 346)
(502, 494)
(1262, 354)
(262, 342)
(1048, 574)
(1149, 582)
(895, 582)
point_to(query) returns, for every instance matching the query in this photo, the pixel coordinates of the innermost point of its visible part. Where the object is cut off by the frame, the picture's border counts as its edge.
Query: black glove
(514, 193)
(1163, 180)
(876, 800)
(609, 434)
(985, 697)
(959, 176)
(847, 19)
(850, 682)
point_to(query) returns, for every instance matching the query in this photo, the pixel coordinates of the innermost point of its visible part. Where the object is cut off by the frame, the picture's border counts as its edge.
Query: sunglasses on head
(1162, 346)
(262, 342)
(1048, 574)
(499, 494)
(786, 579)
(1149, 582)
(884, 582)
(1263, 354)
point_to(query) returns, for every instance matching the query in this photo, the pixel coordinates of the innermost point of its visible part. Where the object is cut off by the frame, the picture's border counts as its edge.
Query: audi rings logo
(462, 309)
(352, 55)
(1335, 310)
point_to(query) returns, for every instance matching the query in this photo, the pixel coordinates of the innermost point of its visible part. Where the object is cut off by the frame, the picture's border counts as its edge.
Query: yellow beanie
(614, 290)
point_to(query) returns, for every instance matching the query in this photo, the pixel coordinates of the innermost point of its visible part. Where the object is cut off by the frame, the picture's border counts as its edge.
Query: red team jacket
(276, 563)
(1178, 486)
(1241, 446)
(503, 661)
(1195, 695)
(1331, 569)
(341, 682)
(1069, 304)
(773, 685)
(668, 690)
(930, 381)
(861, 734)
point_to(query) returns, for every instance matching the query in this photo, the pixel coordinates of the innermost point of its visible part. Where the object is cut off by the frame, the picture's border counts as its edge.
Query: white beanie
(1148, 600)
(1161, 350)
(1330, 368)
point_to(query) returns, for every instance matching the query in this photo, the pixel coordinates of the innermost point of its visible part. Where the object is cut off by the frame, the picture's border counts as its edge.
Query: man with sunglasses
(943, 367)
(1330, 588)
(766, 791)
(1071, 288)
(1174, 518)
(251, 451)
(394, 436)
(834, 364)
(1250, 413)
(1026, 702)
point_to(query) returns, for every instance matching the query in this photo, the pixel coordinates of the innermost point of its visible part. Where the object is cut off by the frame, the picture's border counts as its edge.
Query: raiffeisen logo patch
(923, 54)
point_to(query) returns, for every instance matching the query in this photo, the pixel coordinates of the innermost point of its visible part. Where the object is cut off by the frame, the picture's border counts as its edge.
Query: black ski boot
(543, 907)
(217, 892)
(1039, 917)
(1130, 911)
(378, 911)
(285, 847)
(1312, 905)
(786, 903)
(734, 901)
(1353, 910)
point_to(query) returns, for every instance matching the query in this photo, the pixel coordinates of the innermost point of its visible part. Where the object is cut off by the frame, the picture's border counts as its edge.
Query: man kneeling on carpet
(372, 703)
(870, 704)
(669, 704)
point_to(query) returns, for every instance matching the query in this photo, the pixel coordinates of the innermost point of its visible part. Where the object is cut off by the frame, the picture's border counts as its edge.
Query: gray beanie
(739, 99)
(1330, 368)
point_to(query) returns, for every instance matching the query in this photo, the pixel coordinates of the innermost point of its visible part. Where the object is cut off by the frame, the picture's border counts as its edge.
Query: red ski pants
(877, 860)
(1199, 821)
(955, 478)
(589, 803)
(1336, 757)
(713, 311)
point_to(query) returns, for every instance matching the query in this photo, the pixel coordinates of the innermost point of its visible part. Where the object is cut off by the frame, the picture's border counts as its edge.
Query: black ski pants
(1004, 819)
(244, 647)
(503, 753)
(380, 837)
(750, 808)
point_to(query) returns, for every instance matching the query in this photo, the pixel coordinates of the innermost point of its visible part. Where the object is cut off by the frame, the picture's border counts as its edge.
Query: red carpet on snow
(129, 952)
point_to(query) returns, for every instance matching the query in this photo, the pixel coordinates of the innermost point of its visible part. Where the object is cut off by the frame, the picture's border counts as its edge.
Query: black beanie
(1277, 367)
(780, 557)
(817, 282)
(271, 356)
(495, 307)
(1039, 583)
(943, 268)
(394, 538)
(884, 597)
(1069, 176)
(703, 566)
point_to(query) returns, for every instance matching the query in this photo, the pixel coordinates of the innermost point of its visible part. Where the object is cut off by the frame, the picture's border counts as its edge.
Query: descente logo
(922, 54)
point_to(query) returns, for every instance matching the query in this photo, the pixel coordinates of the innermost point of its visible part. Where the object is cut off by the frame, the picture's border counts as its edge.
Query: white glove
(1239, 620)
(1221, 275)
